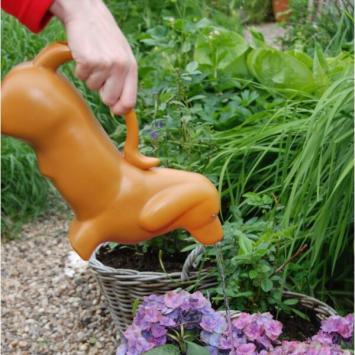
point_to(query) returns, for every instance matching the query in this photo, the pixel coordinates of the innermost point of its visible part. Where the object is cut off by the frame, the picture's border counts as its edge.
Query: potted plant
(185, 323)
(126, 274)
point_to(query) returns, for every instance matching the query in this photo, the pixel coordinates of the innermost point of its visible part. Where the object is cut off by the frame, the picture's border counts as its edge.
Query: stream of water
(220, 264)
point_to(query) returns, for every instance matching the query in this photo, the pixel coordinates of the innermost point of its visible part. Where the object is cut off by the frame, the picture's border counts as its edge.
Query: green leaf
(164, 350)
(191, 67)
(245, 244)
(320, 69)
(253, 274)
(195, 349)
(218, 49)
(280, 70)
(300, 314)
(135, 306)
(291, 301)
(266, 285)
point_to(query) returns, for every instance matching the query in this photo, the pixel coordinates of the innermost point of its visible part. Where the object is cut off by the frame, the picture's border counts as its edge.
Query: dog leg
(189, 206)
(84, 238)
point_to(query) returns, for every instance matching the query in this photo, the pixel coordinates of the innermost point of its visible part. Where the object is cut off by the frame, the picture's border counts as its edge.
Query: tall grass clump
(24, 192)
(318, 190)
(300, 154)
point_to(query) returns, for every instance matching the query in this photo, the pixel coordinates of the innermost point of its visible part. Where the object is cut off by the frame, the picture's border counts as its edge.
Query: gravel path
(50, 302)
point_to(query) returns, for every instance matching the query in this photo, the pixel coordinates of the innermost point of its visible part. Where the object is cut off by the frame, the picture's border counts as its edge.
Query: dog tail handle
(53, 56)
(131, 152)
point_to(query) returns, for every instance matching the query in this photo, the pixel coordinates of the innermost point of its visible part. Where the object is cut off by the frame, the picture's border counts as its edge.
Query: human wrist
(67, 10)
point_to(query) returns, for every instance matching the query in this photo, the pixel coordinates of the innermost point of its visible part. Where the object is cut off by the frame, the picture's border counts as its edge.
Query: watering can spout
(209, 234)
(117, 197)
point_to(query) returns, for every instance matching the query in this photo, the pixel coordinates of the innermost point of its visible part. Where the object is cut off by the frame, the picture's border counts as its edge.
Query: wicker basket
(123, 287)
(321, 309)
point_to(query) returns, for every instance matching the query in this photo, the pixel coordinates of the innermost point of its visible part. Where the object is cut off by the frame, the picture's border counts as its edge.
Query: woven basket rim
(123, 273)
(309, 302)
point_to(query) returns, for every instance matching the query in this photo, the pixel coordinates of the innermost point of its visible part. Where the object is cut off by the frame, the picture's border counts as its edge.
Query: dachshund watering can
(117, 197)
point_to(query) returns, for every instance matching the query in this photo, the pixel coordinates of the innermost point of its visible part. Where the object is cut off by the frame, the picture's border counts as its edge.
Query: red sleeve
(34, 14)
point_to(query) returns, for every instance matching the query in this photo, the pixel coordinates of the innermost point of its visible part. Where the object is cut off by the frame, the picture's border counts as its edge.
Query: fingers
(112, 89)
(83, 70)
(127, 100)
(97, 78)
(116, 82)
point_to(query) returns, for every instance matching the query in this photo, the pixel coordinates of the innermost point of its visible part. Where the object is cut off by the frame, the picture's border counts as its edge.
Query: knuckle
(107, 99)
(124, 106)
(128, 104)
(92, 85)
(121, 63)
(105, 63)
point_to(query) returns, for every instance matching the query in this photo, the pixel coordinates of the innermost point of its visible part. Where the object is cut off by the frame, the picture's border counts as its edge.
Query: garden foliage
(273, 129)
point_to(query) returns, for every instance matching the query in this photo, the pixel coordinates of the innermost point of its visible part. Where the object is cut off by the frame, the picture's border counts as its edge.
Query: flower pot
(279, 8)
(123, 288)
(320, 309)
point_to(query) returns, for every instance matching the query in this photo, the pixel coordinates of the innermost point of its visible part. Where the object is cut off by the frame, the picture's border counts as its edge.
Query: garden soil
(128, 258)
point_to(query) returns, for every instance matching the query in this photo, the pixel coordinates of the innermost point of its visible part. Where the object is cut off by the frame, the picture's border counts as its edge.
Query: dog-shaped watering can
(122, 198)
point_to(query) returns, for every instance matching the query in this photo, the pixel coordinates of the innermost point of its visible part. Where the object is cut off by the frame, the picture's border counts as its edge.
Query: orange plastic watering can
(117, 197)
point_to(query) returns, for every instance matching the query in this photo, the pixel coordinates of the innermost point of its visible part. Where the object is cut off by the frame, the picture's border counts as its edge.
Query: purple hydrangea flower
(136, 343)
(198, 301)
(339, 325)
(212, 339)
(247, 349)
(306, 348)
(175, 300)
(323, 338)
(242, 321)
(213, 322)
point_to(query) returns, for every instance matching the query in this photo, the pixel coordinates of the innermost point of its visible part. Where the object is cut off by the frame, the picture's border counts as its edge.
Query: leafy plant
(252, 251)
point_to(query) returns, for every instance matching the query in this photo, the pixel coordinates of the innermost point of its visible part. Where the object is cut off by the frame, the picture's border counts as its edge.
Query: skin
(104, 59)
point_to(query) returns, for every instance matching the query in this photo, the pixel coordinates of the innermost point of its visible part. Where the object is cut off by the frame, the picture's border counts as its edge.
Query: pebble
(45, 312)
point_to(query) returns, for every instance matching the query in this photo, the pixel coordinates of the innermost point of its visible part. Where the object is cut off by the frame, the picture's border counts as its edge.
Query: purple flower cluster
(333, 330)
(157, 314)
(307, 348)
(251, 334)
(248, 334)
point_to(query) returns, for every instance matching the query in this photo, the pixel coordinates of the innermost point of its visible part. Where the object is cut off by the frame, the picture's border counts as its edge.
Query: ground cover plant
(273, 129)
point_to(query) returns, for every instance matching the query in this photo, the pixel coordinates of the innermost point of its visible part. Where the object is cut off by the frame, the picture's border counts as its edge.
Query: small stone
(22, 344)
(83, 347)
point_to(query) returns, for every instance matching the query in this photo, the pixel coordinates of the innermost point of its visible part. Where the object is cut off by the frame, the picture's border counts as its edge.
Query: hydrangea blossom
(307, 348)
(248, 334)
(342, 326)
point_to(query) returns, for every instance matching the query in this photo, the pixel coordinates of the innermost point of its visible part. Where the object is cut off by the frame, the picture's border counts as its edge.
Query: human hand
(102, 54)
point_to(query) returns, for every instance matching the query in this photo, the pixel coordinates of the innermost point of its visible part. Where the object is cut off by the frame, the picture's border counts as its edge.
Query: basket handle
(190, 261)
